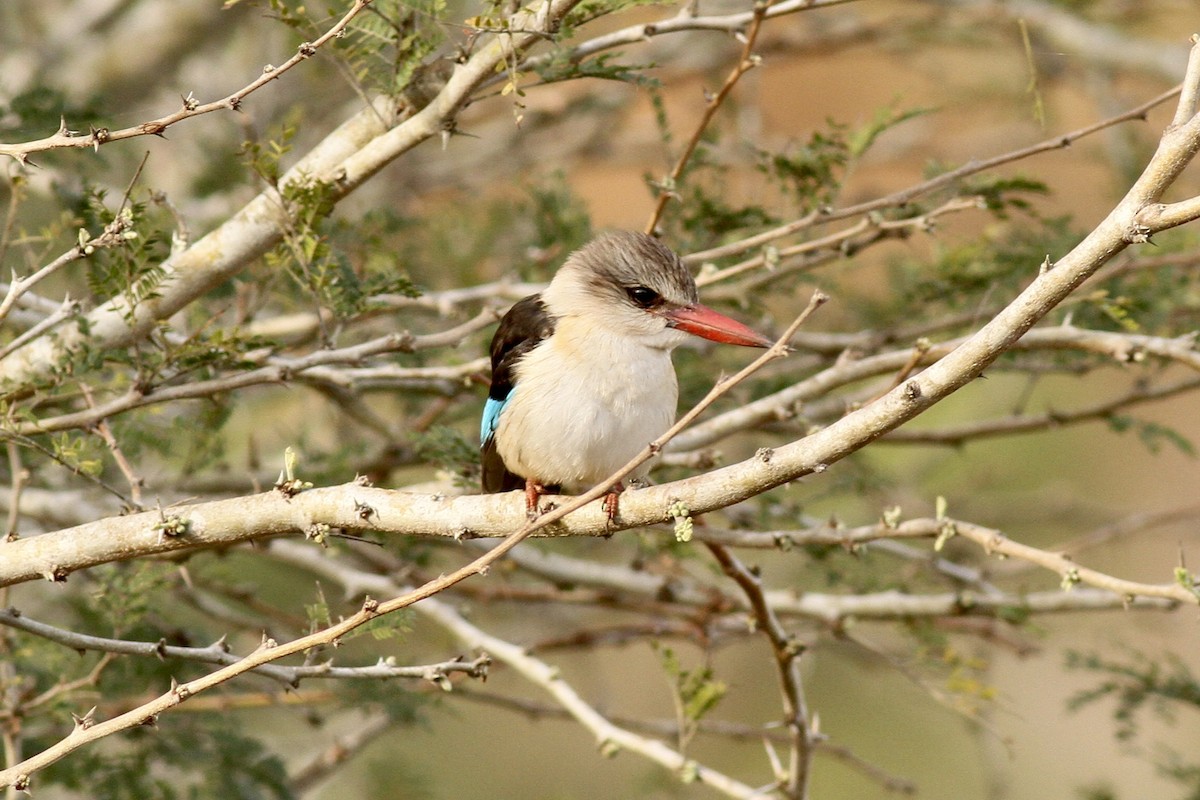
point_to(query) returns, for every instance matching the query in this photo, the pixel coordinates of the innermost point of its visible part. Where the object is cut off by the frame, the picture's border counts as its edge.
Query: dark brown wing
(526, 325)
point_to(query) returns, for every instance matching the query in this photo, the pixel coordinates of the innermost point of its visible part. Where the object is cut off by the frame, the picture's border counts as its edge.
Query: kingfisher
(582, 378)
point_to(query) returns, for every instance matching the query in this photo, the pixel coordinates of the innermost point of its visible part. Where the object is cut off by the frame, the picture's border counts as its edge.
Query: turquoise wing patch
(491, 417)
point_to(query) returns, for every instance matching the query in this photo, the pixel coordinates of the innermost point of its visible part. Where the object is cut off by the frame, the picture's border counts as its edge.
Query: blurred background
(852, 102)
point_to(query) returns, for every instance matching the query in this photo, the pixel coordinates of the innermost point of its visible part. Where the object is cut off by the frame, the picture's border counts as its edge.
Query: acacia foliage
(137, 409)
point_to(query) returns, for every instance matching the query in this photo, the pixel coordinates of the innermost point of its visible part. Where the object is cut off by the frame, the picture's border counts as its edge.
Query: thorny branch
(270, 651)
(316, 365)
(219, 653)
(926, 376)
(904, 196)
(114, 233)
(610, 738)
(65, 138)
(787, 650)
(746, 62)
(669, 729)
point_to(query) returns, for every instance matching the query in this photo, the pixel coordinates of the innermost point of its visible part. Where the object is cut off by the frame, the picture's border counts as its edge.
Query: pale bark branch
(278, 370)
(946, 179)
(746, 61)
(342, 162)
(344, 747)
(610, 738)
(955, 435)
(787, 649)
(220, 654)
(685, 20)
(65, 138)
(174, 526)
(1160, 216)
(1121, 348)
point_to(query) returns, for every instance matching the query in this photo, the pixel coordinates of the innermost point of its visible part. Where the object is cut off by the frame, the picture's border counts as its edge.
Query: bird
(582, 378)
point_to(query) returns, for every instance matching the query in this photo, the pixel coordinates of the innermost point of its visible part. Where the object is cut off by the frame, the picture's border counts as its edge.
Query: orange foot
(533, 492)
(612, 501)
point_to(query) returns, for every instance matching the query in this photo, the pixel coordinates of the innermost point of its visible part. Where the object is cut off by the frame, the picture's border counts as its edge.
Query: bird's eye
(643, 297)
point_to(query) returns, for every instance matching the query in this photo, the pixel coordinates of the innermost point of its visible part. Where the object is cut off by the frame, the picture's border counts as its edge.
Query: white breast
(585, 403)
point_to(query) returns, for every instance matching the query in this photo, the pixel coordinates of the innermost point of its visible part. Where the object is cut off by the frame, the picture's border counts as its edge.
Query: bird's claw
(533, 493)
(612, 502)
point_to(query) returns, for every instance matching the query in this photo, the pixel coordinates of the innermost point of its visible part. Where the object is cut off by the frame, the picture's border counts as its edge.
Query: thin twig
(787, 650)
(20, 475)
(277, 370)
(343, 748)
(270, 651)
(219, 653)
(685, 20)
(74, 469)
(746, 62)
(102, 428)
(191, 108)
(66, 311)
(612, 738)
(907, 195)
(111, 237)
(957, 435)
(993, 542)
(841, 241)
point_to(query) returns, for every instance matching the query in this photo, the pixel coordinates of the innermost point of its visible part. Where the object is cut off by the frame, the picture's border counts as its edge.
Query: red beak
(702, 321)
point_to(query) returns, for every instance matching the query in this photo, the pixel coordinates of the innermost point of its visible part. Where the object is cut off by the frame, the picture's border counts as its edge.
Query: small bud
(1069, 579)
(945, 533)
(318, 532)
(891, 517)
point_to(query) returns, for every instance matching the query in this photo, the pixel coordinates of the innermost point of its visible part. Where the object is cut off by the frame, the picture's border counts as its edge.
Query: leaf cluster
(1163, 686)
(193, 757)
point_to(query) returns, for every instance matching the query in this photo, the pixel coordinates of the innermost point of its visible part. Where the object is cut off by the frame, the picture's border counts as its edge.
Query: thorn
(86, 721)
(55, 574)
(363, 511)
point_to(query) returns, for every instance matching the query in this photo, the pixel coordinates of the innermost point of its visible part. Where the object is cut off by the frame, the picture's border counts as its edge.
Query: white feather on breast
(586, 401)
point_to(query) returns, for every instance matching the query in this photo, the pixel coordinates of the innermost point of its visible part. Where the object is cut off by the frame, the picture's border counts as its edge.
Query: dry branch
(65, 138)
